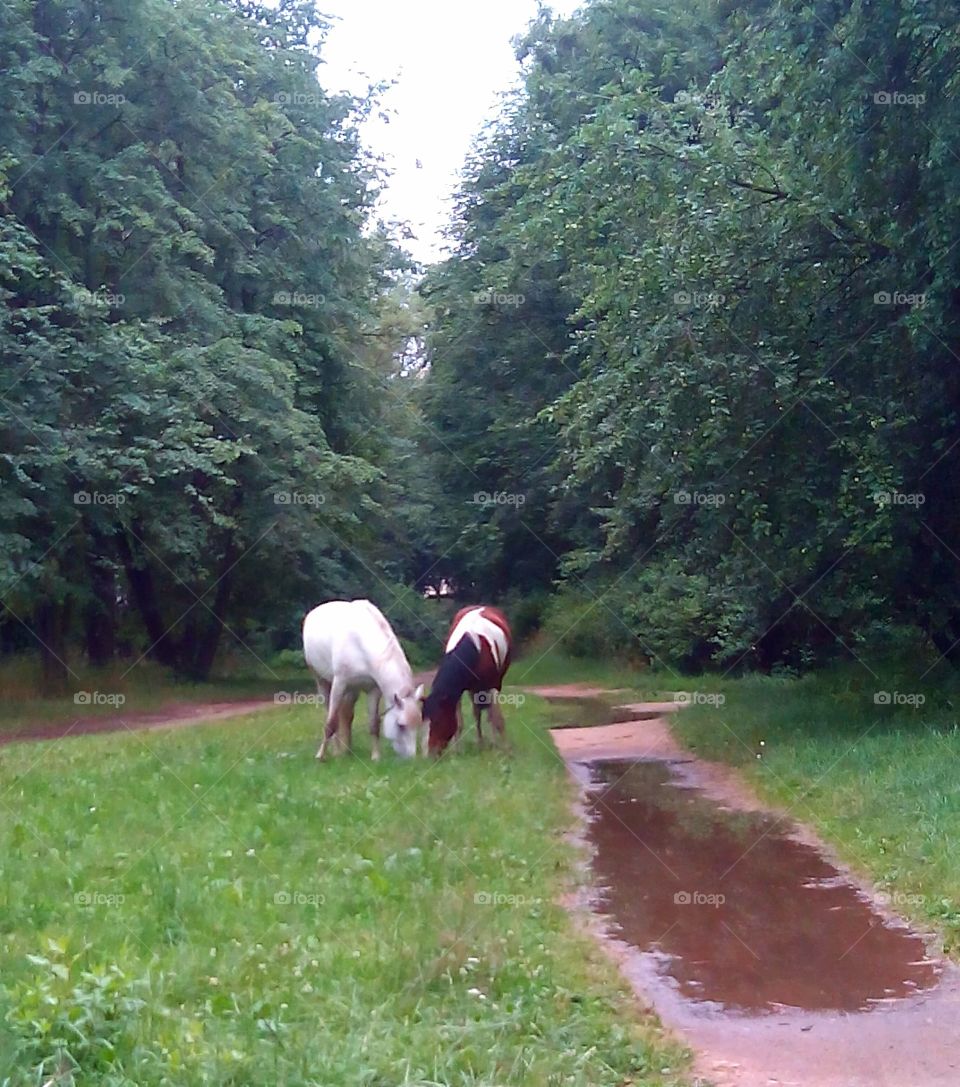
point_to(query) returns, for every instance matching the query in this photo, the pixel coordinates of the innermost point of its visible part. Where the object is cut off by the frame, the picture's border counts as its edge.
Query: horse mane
(392, 649)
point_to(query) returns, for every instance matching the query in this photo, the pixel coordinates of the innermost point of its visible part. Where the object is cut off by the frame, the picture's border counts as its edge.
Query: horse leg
(345, 732)
(477, 715)
(323, 691)
(496, 718)
(337, 691)
(373, 706)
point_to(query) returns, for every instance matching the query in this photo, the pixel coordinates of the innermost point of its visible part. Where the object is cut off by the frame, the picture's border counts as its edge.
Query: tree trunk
(162, 646)
(206, 642)
(50, 622)
(100, 613)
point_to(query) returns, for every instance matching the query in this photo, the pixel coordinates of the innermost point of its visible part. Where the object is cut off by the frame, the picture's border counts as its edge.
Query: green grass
(880, 782)
(210, 906)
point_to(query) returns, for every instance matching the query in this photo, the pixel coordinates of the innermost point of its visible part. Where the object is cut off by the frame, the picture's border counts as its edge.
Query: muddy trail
(775, 963)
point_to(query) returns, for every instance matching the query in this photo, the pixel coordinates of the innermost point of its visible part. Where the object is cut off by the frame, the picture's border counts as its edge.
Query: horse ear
(397, 700)
(418, 693)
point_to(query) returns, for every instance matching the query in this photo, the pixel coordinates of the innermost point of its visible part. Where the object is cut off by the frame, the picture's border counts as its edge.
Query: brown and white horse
(476, 659)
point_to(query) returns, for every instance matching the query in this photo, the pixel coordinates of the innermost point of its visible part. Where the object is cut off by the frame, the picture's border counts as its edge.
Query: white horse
(350, 647)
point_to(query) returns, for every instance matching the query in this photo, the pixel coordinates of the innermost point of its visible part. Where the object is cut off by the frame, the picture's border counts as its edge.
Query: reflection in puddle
(737, 912)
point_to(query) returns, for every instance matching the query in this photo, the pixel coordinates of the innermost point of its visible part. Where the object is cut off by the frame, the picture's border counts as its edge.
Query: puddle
(588, 712)
(731, 908)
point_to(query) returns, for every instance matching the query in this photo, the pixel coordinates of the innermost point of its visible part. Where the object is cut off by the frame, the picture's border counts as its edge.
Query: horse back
(488, 671)
(351, 639)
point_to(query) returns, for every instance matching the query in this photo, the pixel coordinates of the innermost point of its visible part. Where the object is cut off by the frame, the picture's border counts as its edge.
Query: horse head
(402, 721)
(440, 717)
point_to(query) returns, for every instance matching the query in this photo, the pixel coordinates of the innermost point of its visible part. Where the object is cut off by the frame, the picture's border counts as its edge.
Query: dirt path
(803, 977)
(177, 715)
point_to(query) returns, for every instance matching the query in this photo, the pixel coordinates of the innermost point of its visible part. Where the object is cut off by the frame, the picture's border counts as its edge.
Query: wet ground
(774, 962)
(737, 912)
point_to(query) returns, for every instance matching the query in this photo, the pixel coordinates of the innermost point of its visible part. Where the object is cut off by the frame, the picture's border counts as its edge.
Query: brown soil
(570, 690)
(174, 715)
(801, 977)
(177, 715)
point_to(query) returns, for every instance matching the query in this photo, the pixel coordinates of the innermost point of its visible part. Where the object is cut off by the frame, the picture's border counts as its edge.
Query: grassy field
(210, 906)
(867, 755)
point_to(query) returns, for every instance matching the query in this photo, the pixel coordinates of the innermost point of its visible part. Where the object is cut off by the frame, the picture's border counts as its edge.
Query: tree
(187, 279)
(761, 314)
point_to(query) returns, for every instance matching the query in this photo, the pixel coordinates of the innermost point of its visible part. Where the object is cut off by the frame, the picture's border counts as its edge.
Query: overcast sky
(451, 59)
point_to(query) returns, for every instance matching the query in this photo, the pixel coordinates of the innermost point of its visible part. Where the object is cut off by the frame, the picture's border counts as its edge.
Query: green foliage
(575, 623)
(191, 329)
(73, 1023)
(743, 374)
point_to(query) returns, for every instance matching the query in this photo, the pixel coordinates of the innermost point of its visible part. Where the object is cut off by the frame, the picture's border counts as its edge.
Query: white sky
(450, 59)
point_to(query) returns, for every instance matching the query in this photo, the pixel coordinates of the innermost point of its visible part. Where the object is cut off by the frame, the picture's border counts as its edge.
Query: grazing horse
(476, 659)
(350, 647)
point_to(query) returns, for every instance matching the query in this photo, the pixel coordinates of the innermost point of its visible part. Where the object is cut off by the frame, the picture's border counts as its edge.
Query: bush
(526, 612)
(658, 616)
(575, 622)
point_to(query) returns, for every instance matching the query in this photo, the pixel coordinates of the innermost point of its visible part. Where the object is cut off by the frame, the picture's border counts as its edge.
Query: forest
(684, 391)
